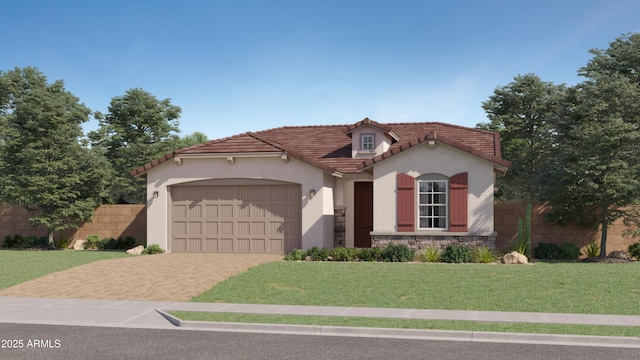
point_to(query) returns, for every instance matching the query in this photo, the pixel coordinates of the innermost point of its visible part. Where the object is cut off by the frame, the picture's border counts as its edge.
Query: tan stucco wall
(317, 220)
(444, 160)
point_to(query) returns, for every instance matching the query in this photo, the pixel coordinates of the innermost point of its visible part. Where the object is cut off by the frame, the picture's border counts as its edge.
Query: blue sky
(238, 65)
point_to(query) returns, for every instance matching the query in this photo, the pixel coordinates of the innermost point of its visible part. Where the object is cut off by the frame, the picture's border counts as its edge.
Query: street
(27, 341)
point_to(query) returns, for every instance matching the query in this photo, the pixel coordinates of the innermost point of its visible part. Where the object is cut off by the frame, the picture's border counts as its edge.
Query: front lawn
(17, 266)
(533, 328)
(585, 288)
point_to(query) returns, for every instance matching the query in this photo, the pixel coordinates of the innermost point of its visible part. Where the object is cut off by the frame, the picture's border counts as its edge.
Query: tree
(43, 163)
(593, 174)
(522, 113)
(621, 57)
(192, 139)
(137, 129)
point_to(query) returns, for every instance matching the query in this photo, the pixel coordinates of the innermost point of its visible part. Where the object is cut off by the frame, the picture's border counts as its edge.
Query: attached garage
(235, 218)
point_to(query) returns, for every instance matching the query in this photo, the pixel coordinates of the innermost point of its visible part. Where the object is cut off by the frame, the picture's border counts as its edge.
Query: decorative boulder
(620, 254)
(78, 244)
(515, 257)
(136, 250)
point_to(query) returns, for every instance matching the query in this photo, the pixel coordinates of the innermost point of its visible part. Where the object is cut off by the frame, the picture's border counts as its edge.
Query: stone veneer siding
(339, 218)
(420, 241)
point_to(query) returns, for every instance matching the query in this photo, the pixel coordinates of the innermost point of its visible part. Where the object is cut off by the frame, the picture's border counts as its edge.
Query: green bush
(370, 254)
(432, 254)
(316, 254)
(565, 251)
(126, 243)
(397, 253)
(634, 250)
(483, 255)
(24, 242)
(546, 251)
(592, 250)
(296, 255)
(457, 254)
(343, 254)
(569, 251)
(153, 249)
(94, 242)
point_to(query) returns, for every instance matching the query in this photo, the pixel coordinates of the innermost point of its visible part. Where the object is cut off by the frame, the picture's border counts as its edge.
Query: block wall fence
(506, 215)
(131, 220)
(109, 221)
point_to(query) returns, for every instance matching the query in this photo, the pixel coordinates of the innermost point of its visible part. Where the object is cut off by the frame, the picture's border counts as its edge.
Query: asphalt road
(20, 341)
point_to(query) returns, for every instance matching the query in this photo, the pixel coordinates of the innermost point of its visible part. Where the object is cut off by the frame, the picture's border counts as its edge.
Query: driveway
(161, 277)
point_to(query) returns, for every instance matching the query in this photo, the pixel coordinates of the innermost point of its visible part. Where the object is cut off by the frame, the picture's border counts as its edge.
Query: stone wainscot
(420, 241)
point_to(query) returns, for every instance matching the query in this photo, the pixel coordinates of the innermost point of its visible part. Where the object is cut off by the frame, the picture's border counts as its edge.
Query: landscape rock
(136, 250)
(515, 257)
(620, 254)
(78, 244)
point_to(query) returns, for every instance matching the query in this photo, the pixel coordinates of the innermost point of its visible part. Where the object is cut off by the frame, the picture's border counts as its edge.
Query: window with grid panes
(432, 204)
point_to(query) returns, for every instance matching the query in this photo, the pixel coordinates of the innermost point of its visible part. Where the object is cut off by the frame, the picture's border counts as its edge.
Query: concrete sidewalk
(152, 314)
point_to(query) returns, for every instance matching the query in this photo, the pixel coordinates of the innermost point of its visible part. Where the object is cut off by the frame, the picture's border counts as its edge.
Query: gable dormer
(369, 138)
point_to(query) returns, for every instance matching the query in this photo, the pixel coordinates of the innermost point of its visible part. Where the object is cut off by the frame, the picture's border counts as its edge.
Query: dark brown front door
(363, 214)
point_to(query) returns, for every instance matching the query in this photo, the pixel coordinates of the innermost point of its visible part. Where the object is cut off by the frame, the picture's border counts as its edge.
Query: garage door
(241, 219)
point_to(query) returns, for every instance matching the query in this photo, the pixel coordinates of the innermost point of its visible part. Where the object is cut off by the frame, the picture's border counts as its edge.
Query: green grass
(17, 266)
(531, 328)
(587, 288)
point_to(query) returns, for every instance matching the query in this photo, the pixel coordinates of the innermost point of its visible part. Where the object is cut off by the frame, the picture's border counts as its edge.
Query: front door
(363, 214)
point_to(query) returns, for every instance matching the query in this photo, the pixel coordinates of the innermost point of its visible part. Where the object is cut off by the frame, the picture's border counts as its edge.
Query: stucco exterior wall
(441, 159)
(381, 142)
(317, 220)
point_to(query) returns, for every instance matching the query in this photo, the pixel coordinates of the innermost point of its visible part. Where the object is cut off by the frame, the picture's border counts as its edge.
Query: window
(367, 143)
(432, 204)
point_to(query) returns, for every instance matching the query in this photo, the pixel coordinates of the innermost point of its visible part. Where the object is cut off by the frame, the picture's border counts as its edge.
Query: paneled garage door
(241, 219)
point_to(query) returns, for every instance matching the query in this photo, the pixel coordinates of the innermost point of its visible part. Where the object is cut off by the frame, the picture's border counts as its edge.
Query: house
(357, 185)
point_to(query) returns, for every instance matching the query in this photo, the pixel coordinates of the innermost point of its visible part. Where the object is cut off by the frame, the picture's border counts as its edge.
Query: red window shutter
(406, 203)
(458, 189)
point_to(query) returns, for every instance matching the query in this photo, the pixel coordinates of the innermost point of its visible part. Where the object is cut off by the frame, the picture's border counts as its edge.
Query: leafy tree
(622, 57)
(137, 129)
(593, 174)
(43, 163)
(192, 139)
(522, 113)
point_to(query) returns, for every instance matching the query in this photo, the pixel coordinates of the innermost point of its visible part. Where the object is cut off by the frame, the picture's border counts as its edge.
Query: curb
(444, 335)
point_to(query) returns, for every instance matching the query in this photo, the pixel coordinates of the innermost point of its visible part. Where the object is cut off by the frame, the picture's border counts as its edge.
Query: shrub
(634, 250)
(296, 255)
(457, 254)
(592, 250)
(316, 254)
(483, 255)
(565, 251)
(569, 251)
(63, 242)
(93, 243)
(153, 249)
(397, 253)
(370, 254)
(546, 251)
(20, 242)
(432, 254)
(126, 243)
(343, 254)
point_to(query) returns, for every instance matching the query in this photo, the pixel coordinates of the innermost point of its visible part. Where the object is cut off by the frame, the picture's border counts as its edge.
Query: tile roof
(329, 146)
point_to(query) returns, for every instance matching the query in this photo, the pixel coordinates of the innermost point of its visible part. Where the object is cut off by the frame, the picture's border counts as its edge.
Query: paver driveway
(161, 277)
